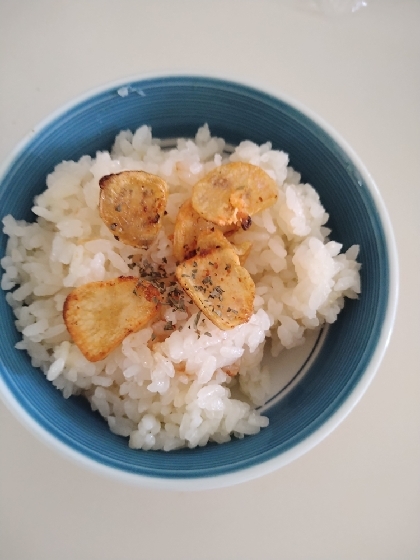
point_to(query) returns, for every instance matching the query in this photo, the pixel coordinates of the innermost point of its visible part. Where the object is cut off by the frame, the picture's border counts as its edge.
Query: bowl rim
(254, 471)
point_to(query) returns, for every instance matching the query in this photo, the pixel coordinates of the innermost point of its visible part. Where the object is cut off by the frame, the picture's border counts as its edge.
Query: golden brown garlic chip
(243, 250)
(99, 315)
(188, 226)
(131, 204)
(208, 240)
(233, 192)
(221, 288)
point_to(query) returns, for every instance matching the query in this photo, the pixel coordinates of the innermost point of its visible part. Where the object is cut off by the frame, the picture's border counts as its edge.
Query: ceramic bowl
(316, 385)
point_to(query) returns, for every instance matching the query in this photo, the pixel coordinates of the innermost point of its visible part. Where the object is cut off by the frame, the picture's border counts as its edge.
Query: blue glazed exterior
(176, 106)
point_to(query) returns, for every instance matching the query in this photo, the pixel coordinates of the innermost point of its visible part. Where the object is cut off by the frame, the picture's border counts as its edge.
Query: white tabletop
(356, 495)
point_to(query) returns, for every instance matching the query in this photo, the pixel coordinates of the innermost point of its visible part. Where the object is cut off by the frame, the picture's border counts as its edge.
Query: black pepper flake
(200, 288)
(246, 223)
(118, 208)
(196, 320)
(207, 334)
(113, 226)
(116, 237)
(217, 293)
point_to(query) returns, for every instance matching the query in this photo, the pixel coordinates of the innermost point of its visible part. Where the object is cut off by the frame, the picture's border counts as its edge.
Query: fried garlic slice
(233, 192)
(99, 315)
(243, 250)
(208, 240)
(189, 225)
(220, 287)
(131, 204)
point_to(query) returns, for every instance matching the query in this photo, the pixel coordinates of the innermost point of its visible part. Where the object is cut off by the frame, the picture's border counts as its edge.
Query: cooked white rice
(173, 393)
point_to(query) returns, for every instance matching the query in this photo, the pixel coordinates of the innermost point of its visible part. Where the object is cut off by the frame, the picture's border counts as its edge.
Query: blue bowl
(343, 360)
